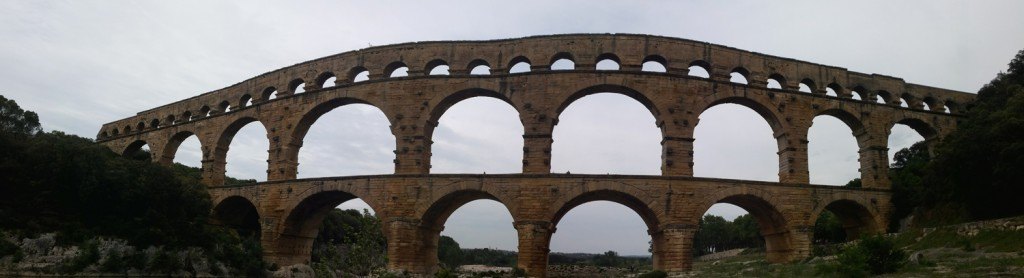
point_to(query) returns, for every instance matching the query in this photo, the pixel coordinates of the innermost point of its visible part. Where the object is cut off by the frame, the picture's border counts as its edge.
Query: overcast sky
(81, 64)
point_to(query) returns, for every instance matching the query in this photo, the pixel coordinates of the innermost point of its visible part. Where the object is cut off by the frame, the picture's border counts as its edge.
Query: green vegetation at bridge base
(69, 205)
(976, 172)
(939, 252)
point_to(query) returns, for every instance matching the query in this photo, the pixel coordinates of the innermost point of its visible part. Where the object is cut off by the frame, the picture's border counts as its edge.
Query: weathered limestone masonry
(414, 204)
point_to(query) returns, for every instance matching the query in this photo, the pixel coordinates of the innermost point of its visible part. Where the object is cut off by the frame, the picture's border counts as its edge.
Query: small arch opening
(204, 111)
(327, 80)
(297, 86)
(700, 69)
(269, 93)
(519, 65)
(245, 101)
(833, 90)
(155, 123)
(807, 86)
(359, 74)
(479, 67)
(883, 97)
(607, 61)
(440, 70)
(437, 67)
(396, 69)
(739, 76)
(224, 106)
(562, 61)
(857, 94)
(654, 63)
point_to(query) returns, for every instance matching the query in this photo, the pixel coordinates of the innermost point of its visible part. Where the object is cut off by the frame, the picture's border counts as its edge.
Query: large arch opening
(471, 124)
(906, 133)
(733, 140)
(243, 151)
(344, 137)
(843, 220)
(477, 123)
(584, 225)
(606, 131)
(466, 227)
(238, 214)
(717, 234)
(138, 150)
(832, 150)
(184, 149)
(335, 230)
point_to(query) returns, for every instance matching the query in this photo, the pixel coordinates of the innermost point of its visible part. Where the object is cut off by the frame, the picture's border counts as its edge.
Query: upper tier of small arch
(628, 51)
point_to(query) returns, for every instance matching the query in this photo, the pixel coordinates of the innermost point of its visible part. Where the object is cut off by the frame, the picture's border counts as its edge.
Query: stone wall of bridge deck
(631, 51)
(413, 209)
(414, 105)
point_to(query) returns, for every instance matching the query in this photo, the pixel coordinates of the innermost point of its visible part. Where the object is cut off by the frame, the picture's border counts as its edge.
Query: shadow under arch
(300, 227)
(856, 218)
(922, 127)
(239, 214)
(773, 225)
(608, 88)
(134, 147)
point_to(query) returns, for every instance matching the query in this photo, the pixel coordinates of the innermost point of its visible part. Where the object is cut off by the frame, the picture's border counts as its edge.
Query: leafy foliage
(349, 241)
(717, 234)
(54, 182)
(873, 255)
(828, 229)
(978, 166)
(15, 121)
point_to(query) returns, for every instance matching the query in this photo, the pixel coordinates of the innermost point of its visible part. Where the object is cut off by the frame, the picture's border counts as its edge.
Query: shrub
(89, 254)
(7, 247)
(875, 255)
(445, 273)
(654, 274)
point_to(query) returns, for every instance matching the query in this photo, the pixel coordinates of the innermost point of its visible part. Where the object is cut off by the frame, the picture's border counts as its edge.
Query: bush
(875, 255)
(89, 254)
(654, 274)
(7, 247)
(445, 273)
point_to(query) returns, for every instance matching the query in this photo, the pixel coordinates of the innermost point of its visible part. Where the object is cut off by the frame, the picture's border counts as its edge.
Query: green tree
(978, 166)
(367, 246)
(828, 228)
(908, 168)
(449, 252)
(15, 121)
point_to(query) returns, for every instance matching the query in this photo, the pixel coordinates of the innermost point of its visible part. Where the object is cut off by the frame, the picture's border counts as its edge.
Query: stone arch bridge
(413, 204)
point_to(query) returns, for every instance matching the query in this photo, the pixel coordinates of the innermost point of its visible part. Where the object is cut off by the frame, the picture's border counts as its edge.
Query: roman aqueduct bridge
(413, 204)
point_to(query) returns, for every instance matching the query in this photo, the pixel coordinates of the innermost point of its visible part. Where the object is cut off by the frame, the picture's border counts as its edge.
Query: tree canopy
(978, 167)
